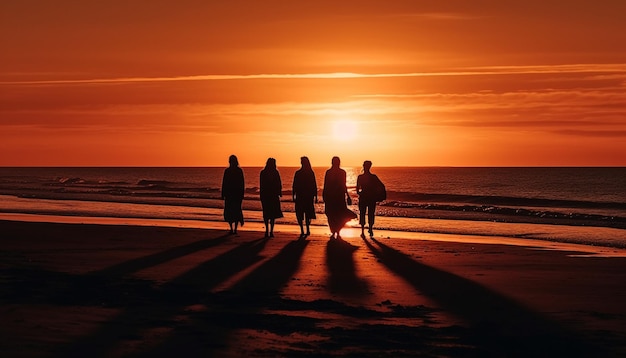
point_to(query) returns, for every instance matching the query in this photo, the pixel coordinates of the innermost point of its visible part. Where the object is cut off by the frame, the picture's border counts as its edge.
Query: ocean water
(452, 200)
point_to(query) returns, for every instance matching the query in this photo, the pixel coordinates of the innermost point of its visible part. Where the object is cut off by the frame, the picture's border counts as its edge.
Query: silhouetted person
(370, 190)
(335, 196)
(232, 193)
(304, 194)
(271, 189)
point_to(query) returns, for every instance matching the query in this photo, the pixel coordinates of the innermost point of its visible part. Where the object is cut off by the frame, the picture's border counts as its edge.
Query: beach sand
(89, 290)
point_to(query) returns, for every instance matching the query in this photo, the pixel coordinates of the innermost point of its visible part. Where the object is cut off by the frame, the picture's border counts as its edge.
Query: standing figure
(370, 190)
(304, 194)
(232, 194)
(336, 196)
(271, 189)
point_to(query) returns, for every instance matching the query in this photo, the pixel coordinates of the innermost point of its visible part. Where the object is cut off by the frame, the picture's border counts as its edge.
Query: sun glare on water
(345, 130)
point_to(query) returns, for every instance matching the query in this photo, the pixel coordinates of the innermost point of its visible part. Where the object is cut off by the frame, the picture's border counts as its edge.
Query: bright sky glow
(187, 83)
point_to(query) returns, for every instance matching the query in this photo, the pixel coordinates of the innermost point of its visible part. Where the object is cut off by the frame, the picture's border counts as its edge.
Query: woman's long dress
(232, 192)
(335, 207)
(305, 191)
(270, 192)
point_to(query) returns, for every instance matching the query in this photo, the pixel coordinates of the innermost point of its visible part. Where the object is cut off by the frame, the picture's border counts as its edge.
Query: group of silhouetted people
(304, 194)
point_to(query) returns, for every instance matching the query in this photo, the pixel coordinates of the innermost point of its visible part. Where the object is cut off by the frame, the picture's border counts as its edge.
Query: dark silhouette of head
(271, 163)
(306, 164)
(233, 161)
(336, 162)
(367, 165)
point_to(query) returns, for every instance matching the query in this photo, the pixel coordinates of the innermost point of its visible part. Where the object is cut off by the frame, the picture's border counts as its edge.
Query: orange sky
(437, 83)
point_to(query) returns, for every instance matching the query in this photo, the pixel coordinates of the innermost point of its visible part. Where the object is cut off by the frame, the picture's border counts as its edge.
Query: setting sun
(345, 130)
(407, 83)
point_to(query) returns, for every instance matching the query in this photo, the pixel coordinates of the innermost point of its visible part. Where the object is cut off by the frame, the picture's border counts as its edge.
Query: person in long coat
(232, 193)
(304, 195)
(335, 194)
(271, 189)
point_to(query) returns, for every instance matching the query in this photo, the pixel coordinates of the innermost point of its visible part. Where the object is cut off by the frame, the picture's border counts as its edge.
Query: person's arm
(311, 184)
(223, 186)
(242, 184)
(345, 186)
(324, 188)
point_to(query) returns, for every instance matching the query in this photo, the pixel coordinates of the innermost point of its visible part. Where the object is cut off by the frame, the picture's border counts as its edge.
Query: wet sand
(72, 289)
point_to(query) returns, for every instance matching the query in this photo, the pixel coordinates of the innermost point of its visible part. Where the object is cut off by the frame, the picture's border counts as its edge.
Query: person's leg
(362, 210)
(371, 212)
(267, 227)
(300, 218)
(272, 221)
(308, 225)
(230, 225)
(301, 224)
(236, 224)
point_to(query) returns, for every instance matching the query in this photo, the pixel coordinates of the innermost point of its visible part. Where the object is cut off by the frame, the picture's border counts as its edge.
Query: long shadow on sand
(162, 307)
(112, 286)
(498, 326)
(342, 278)
(131, 266)
(239, 307)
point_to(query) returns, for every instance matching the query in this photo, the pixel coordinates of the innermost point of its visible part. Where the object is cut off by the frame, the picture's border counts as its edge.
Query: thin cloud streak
(446, 16)
(593, 133)
(474, 71)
